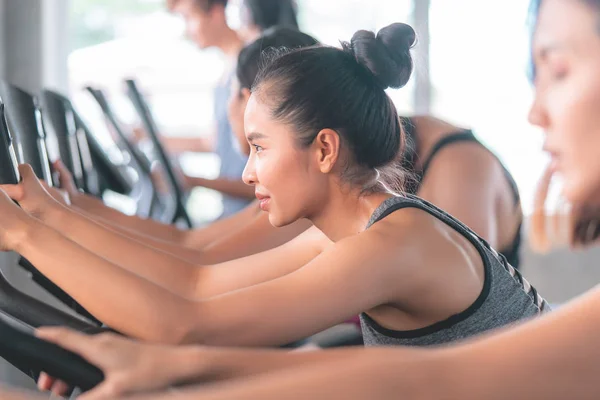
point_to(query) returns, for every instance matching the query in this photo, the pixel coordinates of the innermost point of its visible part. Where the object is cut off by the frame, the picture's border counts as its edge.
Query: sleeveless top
(233, 161)
(409, 163)
(506, 296)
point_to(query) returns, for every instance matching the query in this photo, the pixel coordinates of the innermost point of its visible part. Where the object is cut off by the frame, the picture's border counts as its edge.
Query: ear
(327, 146)
(245, 93)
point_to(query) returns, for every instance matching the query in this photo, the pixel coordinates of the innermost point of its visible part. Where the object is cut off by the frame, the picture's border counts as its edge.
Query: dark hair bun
(386, 55)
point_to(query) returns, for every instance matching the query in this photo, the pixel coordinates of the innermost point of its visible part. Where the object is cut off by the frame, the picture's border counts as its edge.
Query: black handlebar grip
(22, 349)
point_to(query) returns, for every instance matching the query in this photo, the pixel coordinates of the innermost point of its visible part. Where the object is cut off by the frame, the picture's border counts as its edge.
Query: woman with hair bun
(325, 139)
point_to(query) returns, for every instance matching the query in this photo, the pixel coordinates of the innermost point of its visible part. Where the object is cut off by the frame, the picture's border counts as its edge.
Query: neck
(346, 214)
(230, 43)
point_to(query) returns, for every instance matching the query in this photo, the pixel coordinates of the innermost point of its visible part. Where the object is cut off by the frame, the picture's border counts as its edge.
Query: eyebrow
(254, 136)
(547, 50)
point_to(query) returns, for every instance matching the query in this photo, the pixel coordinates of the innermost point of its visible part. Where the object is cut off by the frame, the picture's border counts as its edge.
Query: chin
(203, 44)
(578, 191)
(277, 221)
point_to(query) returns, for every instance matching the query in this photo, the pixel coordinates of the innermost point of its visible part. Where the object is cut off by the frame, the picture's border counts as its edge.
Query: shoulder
(403, 233)
(469, 162)
(466, 154)
(405, 252)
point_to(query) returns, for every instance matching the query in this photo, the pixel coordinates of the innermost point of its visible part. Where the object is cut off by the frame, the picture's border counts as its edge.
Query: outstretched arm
(159, 267)
(148, 227)
(131, 366)
(367, 375)
(17, 394)
(162, 234)
(256, 236)
(553, 357)
(247, 316)
(200, 249)
(244, 233)
(231, 187)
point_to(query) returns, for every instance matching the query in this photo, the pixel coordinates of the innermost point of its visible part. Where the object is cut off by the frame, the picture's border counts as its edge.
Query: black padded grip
(26, 123)
(9, 172)
(29, 353)
(63, 125)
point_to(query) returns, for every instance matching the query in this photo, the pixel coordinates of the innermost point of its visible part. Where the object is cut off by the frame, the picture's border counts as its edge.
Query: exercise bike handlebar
(21, 348)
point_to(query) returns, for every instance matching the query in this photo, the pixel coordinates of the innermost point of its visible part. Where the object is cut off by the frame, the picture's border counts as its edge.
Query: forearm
(255, 237)
(153, 264)
(207, 364)
(177, 250)
(121, 299)
(231, 187)
(200, 238)
(348, 374)
(14, 394)
(148, 227)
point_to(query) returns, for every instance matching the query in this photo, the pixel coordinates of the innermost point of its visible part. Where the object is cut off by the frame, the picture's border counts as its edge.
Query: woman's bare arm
(131, 366)
(247, 316)
(554, 357)
(19, 394)
(366, 374)
(194, 238)
(148, 227)
(256, 236)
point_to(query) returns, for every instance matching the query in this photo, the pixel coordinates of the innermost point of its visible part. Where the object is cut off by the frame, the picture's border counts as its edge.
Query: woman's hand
(67, 183)
(13, 223)
(10, 394)
(30, 193)
(128, 366)
(59, 195)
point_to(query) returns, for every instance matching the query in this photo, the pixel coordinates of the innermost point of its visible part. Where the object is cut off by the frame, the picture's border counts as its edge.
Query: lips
(260, 196)
(263, 200)
(553, 153)
(554, 159)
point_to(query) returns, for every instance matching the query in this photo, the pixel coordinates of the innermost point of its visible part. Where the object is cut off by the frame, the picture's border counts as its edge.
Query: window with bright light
(478, 55)
(113, 40)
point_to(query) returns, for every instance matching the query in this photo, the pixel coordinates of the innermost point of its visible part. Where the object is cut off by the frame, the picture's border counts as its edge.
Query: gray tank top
(506, 296)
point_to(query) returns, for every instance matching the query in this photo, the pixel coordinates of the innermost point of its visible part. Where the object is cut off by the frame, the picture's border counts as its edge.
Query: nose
(537, 115)
(249, 174)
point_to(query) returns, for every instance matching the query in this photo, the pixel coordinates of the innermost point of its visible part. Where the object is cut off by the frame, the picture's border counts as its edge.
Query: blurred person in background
(206, 25)
(259, 15)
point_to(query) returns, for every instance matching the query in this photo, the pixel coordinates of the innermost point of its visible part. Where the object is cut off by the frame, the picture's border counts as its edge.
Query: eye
(556, 70)
(257, 148)
(559, 74)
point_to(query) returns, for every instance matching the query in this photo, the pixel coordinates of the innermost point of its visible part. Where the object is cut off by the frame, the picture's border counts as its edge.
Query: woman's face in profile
(566, 52)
